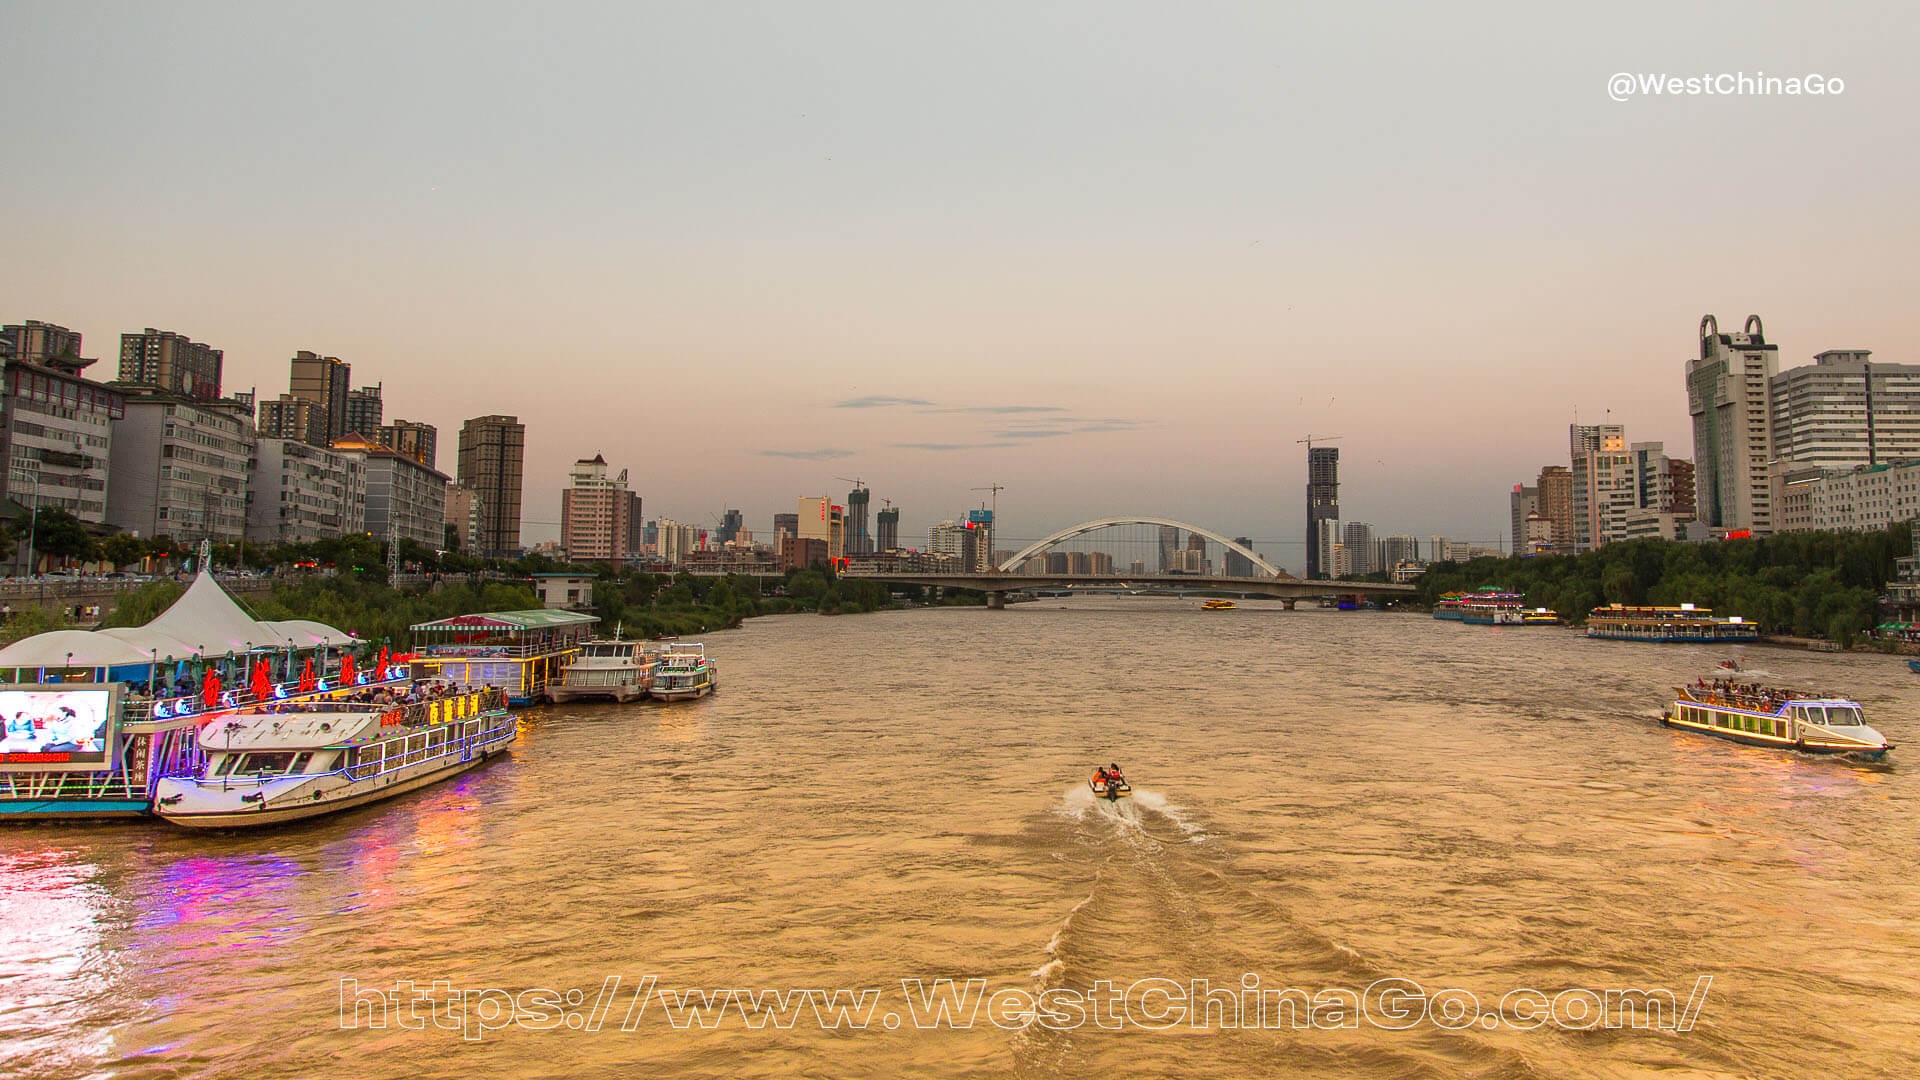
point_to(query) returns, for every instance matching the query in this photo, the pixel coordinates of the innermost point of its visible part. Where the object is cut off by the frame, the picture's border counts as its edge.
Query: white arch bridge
(1271, 581)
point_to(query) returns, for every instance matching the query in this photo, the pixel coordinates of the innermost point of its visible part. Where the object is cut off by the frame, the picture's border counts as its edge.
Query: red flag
(306, 677)
(262, 683)
(380, 664)
(346, 669)
(210, 689)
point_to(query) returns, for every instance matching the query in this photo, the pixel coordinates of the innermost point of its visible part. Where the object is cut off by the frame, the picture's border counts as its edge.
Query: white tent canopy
(204, 622)
(305, 633)
(72, 648)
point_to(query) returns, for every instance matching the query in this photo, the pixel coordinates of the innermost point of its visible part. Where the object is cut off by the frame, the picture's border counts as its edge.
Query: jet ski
(1108, 784)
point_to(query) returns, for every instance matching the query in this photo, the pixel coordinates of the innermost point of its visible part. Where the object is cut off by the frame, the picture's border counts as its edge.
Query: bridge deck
(1265, 586)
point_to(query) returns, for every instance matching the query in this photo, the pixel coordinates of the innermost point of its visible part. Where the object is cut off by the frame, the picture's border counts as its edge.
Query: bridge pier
(996, 601)
(1289, 603)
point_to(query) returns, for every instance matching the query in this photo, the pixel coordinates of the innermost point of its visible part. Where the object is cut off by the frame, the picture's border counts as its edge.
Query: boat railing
(515, 650)
(145, 710)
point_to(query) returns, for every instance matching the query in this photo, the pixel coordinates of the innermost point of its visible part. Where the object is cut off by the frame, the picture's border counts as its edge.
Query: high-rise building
(859, 539)
(731, 522)
(820, 519)
(323, 381)
(39, 342)
(596, 513)
(1169, 544)
(1555, 485)
(492, 458)
(300, 492)
(164, 360)
(1844, 410)
(462, 516)
(887, 529)
(1730, 396)
(363, 413)
(1521, 502)
(1357, 538)
(180, 467)
(1680, 487)
(789, 524)
(1327, 547)
(1323, 505)
(416, 440)
(1584, 441)
(955, 539)
(981, 522)
(57, 427)
(289, 417)
(1398, 549)
(406, 500)
(1099, 562)
(1238, 565)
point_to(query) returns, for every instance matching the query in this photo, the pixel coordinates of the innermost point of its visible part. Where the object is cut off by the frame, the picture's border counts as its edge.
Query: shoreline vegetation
(1822, 585)
(343, 582)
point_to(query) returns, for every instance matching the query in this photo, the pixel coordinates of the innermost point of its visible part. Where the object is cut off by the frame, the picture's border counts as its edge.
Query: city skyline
(1106, 280)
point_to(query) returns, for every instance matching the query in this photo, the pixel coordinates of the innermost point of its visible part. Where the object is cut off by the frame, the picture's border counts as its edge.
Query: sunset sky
(1117, 257)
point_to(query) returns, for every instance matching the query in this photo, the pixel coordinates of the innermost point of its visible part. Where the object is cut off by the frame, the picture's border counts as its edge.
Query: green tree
(122, 548)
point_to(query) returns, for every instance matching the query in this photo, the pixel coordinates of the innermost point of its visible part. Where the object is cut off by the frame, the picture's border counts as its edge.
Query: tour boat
(1449, 605)
(1764, 716)
(521, 652)
(1493, 608)
(284, 762)
(619, 671)
(1218, 605)
(684, 672)
(1540, 616)
(94, 720)
(1668, 624)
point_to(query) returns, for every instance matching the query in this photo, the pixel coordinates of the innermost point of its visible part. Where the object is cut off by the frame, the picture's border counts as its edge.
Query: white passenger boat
(1785, 719)
(285, 762)
(610, 670)
(684, 672)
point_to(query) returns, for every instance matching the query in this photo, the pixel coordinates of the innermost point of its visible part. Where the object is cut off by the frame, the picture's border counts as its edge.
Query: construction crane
(1309, 440)
(996, 489)
(855, 481)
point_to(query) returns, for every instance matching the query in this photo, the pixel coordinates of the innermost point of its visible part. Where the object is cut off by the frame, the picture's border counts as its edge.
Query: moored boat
(1493, 608)
(684, 672)
(1218, 605)
(1449, 606)
(94, 720)
(283, 762)
(521, 652)
(1685, 623)
(617, 670)
(1785, 719)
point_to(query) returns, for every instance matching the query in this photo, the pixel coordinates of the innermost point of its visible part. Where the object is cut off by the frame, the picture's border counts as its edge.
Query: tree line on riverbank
(1810, 584)
(637, 603)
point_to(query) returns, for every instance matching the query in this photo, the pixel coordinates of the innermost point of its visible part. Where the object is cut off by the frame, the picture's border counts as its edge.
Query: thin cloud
(1032, 433)
(807, 455)
(943, 446)
(877, 401)
(1002, 410)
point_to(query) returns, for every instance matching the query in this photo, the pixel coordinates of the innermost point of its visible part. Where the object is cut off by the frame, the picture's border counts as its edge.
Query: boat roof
(537, 619)
(290, 731)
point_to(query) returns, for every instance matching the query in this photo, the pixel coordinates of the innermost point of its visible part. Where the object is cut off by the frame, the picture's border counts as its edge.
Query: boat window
(300, 762)
(227, 762)
(1842, 716)
(274, 764)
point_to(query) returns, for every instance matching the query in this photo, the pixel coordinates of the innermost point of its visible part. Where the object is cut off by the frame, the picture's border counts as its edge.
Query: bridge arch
(1046, 542)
